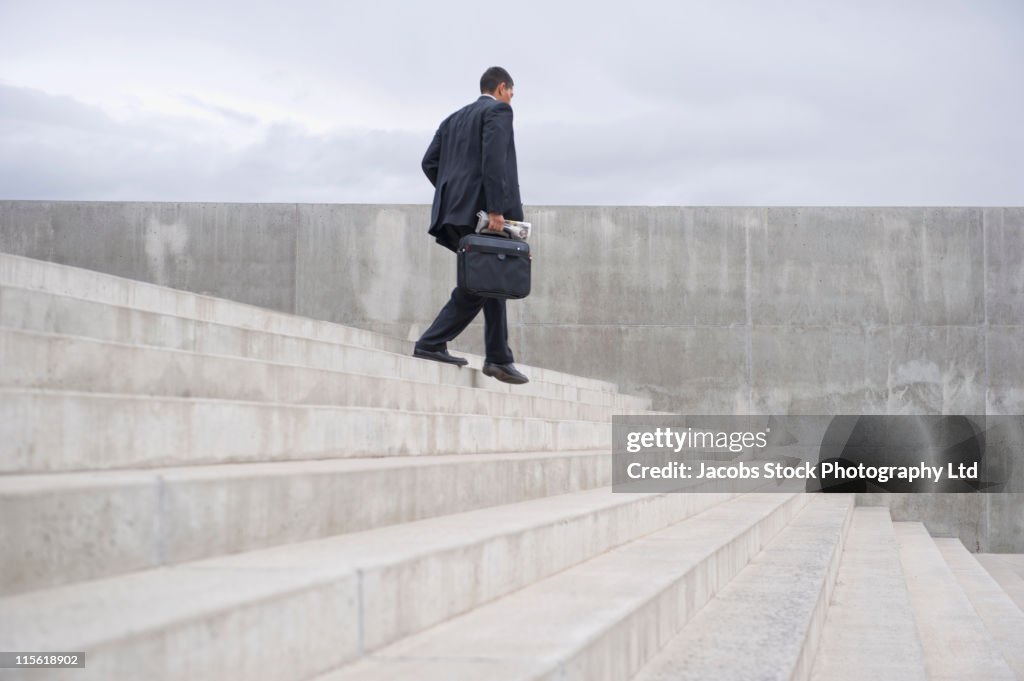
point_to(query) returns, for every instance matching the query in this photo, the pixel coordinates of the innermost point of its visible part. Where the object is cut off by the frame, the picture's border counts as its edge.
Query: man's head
(497, 82)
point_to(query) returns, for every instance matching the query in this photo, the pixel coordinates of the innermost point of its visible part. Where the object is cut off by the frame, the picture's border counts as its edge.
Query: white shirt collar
(487, 94)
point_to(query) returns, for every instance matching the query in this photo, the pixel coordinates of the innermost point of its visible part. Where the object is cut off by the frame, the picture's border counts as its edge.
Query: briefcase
(494, 266)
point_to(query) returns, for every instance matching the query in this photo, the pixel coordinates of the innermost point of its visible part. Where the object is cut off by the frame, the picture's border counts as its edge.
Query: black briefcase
(494, 266)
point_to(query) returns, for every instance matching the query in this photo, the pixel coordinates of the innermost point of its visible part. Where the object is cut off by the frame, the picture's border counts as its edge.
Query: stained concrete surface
(705, 309)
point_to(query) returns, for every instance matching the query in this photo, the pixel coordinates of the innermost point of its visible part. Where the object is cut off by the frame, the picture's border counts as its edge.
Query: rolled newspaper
(514, 228)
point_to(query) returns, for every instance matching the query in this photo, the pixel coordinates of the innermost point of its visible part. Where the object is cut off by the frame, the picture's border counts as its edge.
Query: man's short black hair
(493, 77)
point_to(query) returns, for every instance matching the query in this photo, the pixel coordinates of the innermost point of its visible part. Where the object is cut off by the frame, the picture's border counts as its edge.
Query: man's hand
(497, 223)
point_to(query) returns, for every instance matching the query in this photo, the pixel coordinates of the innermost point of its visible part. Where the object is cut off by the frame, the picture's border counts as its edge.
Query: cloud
(31, 107)
(228, 113)
(733, 103)
(57, 148)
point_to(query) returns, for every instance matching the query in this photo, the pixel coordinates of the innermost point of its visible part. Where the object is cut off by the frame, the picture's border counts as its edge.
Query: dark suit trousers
(456, 315)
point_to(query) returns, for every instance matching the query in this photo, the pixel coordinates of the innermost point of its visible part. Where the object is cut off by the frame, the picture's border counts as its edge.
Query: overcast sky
(724, 102)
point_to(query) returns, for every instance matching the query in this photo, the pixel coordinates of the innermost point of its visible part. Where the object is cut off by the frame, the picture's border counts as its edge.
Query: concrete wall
(765, 310)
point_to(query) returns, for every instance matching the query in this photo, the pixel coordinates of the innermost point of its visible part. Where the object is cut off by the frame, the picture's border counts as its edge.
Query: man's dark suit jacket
(472, 164)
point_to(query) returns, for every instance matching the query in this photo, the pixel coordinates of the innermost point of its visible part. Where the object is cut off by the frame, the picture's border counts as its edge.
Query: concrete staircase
(193, 488)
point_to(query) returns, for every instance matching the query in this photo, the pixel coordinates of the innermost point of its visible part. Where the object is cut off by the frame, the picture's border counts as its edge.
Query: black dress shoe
(439, 356)
(506, 373)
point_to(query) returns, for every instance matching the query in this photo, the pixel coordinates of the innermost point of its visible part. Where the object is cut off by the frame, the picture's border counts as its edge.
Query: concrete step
(60, 362)
(869, 630)
(1000, 615)
(955, 641)
(66, 527)
(598, 621)
(293, 611)
(32, 310)
(82, 284)
(62, 431)
(1008, 571)
(765, 623)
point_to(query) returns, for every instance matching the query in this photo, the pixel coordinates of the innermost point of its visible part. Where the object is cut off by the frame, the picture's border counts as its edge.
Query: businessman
(472, 164)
